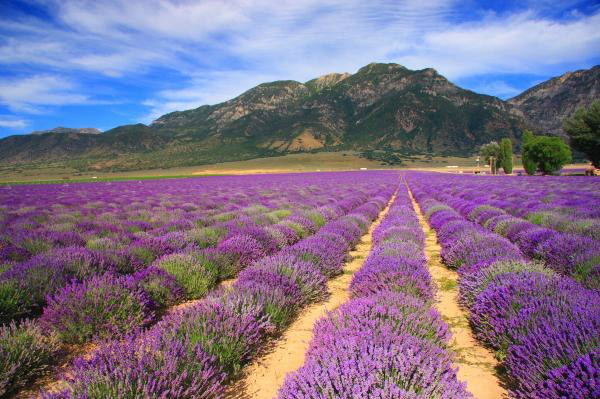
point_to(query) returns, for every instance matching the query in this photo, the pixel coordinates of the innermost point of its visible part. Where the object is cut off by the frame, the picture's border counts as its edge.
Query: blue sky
(107, 63)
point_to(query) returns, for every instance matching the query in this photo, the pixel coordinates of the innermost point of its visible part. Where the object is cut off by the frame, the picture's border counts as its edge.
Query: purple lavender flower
(148, 366)
(386, 273)
(101, 307)
(398, 366)
(305, 275)
(161, 287)
(25, 353)
(243, 248)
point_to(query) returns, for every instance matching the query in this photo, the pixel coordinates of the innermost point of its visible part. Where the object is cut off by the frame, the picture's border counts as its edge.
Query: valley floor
(292, 163)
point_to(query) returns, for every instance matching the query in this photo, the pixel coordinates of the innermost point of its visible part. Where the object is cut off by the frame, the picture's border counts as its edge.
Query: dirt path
(476, 365)
(264, 376)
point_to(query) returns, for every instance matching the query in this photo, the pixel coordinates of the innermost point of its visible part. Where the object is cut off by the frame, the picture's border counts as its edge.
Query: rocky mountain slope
(545, 105)
(381, 107)
(60, 129)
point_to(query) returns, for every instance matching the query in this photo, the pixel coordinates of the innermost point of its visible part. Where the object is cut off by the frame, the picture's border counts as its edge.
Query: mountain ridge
(384, 108)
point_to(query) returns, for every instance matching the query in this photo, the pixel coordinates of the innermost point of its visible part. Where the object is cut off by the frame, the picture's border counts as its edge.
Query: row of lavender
(387, 341)
(24, 286)
(196, 351)
(36, 219)
(568, 254)
(569, 204)
(544, 327)
(177, 256)
(107, 305)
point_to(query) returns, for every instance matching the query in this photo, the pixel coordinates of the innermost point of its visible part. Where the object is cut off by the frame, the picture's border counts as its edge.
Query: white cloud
(221, 48)
(31, 94)
(514, 44)
(12, 123)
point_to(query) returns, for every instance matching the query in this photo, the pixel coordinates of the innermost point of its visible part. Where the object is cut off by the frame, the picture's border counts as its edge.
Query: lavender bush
(193, 271)
(144, 367)
(543, 325)
(25, 352)
(100, 308)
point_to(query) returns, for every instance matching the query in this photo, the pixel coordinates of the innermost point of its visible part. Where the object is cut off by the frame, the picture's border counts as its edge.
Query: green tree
(507, 155)
(550, 154)
(489, 151)
(583, 129)
(528, 164)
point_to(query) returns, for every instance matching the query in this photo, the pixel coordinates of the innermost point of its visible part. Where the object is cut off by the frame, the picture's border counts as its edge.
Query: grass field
(322, 161)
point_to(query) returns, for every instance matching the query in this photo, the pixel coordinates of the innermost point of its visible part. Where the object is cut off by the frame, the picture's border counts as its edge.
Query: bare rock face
(547, 104)
(60, 129)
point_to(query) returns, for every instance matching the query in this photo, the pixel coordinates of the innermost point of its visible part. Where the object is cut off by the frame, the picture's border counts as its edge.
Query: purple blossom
(146, 366)
(101, 307)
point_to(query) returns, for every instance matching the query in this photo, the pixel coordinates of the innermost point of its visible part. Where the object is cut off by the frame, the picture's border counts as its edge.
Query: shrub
(327, 255)
(383, 273)
(471, 284)
(25, 353)
(289, 235)
(161, 287)
(305, 275)
(391, 366)
(549, 153)
(569, 254)
(25, 287)
(243, 248)
(577, 380)
(471, 249)
(102, 307)
(144, 367)
(193, 271)
(551, 344)
(205, 237)
(278, 293)
(383, 313)
(15, 302)
(232, 339)
(266, 241)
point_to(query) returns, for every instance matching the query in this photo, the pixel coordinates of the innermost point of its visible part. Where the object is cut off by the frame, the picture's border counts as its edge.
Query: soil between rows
(476, 364)
(262, 378)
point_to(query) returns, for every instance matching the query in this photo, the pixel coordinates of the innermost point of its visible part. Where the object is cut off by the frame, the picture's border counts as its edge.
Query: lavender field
(171, 288)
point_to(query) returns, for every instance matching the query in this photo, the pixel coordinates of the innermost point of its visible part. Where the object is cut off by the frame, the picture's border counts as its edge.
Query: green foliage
(489, 151)
(14, 301)
(316, 218)
(550, 154)
(528, 164)
(385, 157)
(507, 155)
(277, 215)
(583, 129)
(25, 352)
(193, 271)
(204, 237)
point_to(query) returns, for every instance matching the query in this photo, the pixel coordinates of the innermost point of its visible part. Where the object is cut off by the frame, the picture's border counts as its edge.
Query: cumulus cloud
(515, 44)
(217, 49)
(11, 123)
(31, 93)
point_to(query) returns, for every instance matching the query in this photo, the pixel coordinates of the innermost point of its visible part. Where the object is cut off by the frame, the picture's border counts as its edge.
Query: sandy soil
(53, 381)
(263, 377)
(476, 364)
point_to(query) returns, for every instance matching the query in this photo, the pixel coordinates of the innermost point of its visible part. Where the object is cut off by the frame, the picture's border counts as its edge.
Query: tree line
(548, 154)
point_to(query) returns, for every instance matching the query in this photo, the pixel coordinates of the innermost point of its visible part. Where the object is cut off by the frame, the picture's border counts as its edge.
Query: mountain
(545, 105)
(382, 108)
(60, 129)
